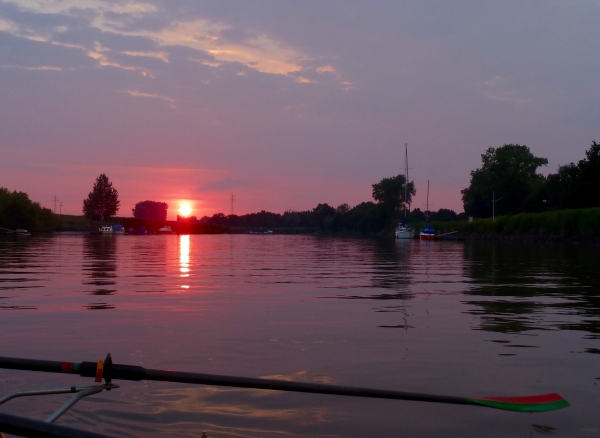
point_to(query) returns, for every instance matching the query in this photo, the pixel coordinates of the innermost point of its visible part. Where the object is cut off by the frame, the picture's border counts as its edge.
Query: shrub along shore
(580, 224)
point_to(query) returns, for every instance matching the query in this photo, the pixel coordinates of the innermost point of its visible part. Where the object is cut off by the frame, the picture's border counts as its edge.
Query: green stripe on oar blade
(535, 403)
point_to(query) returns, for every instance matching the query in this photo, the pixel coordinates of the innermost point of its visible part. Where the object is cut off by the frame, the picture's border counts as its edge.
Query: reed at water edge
(564, 223)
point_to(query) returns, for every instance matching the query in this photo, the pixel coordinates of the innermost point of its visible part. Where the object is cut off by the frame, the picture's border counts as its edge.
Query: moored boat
(107, 229)
(427, 233)
(18, 231)
(404, 229)
(165, 230)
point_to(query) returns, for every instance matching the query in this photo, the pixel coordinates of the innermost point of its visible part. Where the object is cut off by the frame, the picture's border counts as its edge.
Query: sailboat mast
(406, 163)
(427, 211)
(406, 175)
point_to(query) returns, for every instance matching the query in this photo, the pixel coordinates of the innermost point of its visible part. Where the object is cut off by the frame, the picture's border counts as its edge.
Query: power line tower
(232, 197)
(55, 201)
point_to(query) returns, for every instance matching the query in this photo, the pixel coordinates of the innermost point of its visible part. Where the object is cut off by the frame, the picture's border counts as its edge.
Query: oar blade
(534, 403)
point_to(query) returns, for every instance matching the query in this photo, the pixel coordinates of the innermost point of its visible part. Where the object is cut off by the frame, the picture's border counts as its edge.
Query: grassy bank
(565, 223)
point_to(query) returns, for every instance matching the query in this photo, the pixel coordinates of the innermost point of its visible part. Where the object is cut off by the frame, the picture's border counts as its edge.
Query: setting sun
(185, 209)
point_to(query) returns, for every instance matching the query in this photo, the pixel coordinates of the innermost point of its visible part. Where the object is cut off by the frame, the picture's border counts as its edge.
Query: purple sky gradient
(287, 104)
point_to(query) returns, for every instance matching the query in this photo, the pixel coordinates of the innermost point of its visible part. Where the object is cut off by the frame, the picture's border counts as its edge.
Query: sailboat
(404, 230)
(428, 233)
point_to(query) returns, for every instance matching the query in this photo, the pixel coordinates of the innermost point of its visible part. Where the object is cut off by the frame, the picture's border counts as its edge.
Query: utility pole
(61, 208)
(494, 200)
(232, 199)
(55, 201)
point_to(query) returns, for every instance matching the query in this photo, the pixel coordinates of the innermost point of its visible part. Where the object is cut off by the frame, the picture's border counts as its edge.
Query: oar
(108, 370)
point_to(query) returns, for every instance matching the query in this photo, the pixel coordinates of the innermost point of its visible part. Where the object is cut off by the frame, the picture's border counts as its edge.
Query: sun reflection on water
(184, 258)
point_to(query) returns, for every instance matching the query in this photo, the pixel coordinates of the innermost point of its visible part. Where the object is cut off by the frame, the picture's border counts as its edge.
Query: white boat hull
(405, 234)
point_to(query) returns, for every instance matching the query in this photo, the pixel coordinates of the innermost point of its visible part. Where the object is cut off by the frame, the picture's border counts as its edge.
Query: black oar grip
(123, 372)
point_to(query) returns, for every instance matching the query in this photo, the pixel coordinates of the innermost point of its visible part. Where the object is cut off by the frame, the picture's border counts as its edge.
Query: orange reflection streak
(184, 258)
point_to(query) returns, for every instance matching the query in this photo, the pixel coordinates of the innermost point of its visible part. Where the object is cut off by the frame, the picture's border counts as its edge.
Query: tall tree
(390, 194)
(508, 172)
(574, 185)
(322, 212)
(150, 210)
(103, 201)
(589, 177)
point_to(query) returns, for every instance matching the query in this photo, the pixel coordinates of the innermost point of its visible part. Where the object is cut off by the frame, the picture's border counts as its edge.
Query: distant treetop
(150, 210)
(103, 201)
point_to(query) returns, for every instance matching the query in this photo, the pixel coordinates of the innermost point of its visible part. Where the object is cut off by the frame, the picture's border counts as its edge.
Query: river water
(465, 319)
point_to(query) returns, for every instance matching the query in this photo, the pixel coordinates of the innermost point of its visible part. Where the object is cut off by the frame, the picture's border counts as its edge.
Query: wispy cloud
(506, 97)
(494, 88)
(105, 62)
(46, 67)
(206, 62)
(256, 50)
(68, 45)
(326, 69)
(158, 55)
(224, 184)
(37, 67)
(167, 99)
(303, 80)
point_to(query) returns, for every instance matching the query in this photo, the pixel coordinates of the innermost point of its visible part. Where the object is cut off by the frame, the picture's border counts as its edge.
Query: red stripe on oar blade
(535, 403)
(529, 400)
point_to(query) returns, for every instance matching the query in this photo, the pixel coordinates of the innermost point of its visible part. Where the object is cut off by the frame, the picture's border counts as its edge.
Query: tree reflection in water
(520, 288)
(100, 266)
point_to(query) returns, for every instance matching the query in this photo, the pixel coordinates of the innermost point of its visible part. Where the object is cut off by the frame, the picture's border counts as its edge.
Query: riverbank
(577, 226)
(71, 223)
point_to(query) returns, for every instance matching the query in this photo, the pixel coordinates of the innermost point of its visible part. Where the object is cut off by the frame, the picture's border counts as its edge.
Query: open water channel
(466, 319)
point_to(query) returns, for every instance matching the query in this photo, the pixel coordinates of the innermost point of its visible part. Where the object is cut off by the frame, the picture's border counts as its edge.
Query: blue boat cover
(117, 228)
(428, 229)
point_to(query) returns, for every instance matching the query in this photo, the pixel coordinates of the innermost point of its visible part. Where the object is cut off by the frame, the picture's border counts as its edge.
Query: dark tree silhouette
(508, 172)
(103, 201)
(18, 211)
(389, 194)
(150, 210)
(574, 185)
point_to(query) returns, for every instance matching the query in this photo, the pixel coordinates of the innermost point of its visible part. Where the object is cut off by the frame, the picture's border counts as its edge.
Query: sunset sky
(286, 104)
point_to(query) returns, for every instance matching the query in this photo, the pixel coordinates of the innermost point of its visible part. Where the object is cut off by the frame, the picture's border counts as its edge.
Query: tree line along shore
(506, 197)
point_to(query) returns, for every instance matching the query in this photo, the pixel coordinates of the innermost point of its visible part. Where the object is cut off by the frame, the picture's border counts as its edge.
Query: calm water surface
(441, 317)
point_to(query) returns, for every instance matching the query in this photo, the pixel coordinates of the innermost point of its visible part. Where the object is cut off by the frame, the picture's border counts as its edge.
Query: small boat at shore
(404, 230)
(110, 229)
(165, 230)
(427, 233)
(18, 231)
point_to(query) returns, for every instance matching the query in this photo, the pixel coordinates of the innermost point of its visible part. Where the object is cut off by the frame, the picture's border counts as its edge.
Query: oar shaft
(108, 370)
(15, 363)
(280, 385)
(136, 373)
